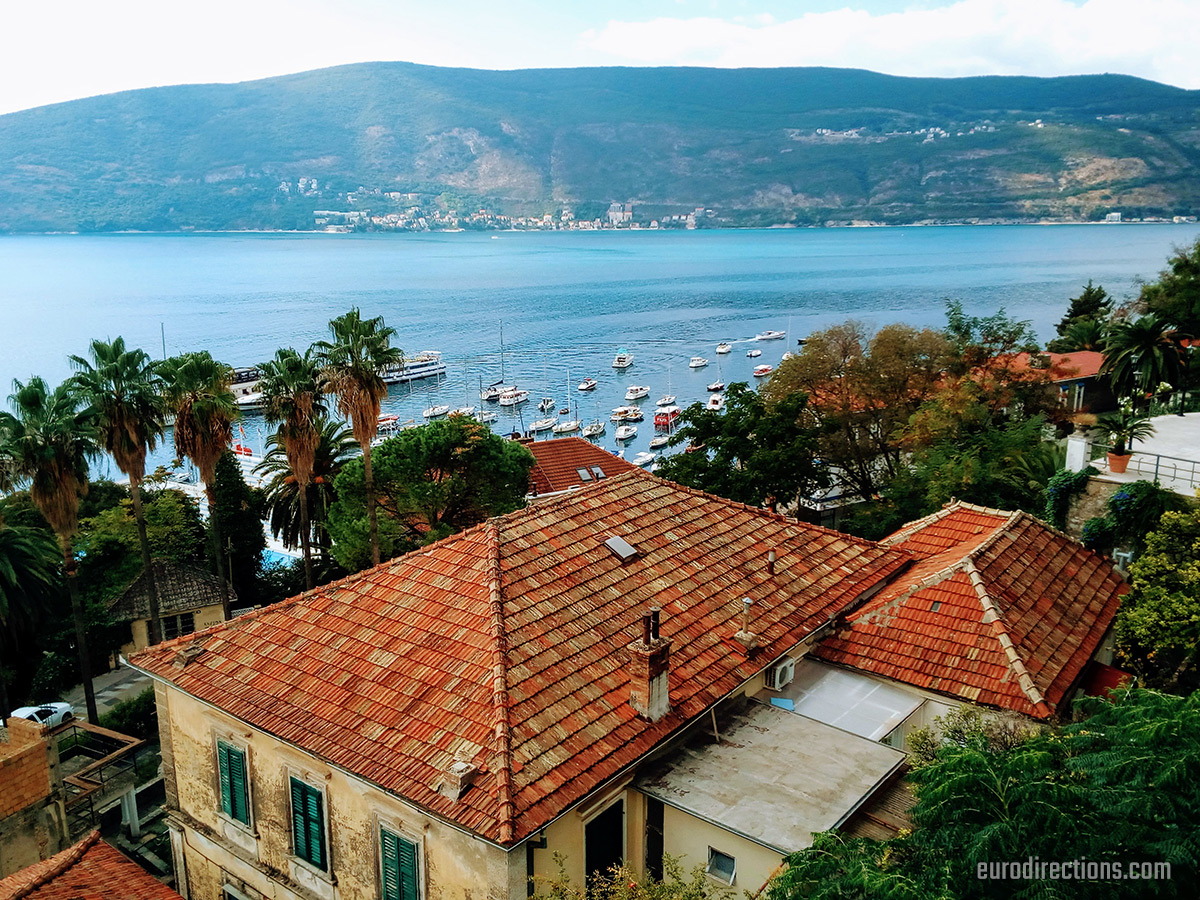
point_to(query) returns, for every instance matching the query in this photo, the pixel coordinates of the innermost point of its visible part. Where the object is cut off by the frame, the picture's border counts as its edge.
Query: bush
(1099, 533)
(136, 717)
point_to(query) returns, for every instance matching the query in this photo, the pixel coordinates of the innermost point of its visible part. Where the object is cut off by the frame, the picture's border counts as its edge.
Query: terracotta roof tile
(509, 640)
(89, 870)
(999, 609)
(557, 461)
(180, 588)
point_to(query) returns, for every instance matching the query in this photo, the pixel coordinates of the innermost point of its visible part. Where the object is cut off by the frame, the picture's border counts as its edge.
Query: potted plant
(1123, 427)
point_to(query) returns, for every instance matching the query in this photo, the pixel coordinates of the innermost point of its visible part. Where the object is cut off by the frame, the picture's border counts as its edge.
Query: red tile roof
(557, 461)
(506, 644)
(1000, 609)
(89, 870)
(1065, 366)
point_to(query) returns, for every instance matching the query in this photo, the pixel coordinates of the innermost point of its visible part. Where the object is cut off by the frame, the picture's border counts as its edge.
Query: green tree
(984, 343)
(749, 453)
(28, 581)
(239, 521)
(1091, 309)
(1175, 297)
(1158, 625)
(431, 481)
(125, 390)
(198, 394)
(354, 363)
(1140, 355)
(291, 387)
(47, 441)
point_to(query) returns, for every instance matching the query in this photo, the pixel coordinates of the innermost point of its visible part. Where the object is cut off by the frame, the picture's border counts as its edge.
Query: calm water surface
(567, 301)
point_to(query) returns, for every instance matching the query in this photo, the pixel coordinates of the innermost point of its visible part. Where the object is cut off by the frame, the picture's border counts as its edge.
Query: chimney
(745, 637)
(459, 777)
(770, 564)
(649, 670)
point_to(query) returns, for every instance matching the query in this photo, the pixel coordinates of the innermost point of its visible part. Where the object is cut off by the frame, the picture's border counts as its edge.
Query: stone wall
(1090, 503)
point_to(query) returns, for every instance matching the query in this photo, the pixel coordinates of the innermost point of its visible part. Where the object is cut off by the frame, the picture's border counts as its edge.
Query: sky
(78, 48)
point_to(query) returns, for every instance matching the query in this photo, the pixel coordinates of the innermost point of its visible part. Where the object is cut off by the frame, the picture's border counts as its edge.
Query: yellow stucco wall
(452, 864)
(565, 835)
(687, 839)
(205, 617)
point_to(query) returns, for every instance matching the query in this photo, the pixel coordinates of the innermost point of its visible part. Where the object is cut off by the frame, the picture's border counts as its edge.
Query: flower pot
(1118, 462)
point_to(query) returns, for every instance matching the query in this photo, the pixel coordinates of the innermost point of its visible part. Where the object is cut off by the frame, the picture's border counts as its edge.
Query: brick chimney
(649, 670)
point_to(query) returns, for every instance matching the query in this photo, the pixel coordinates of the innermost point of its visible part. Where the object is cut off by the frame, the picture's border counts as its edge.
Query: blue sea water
(565, 300)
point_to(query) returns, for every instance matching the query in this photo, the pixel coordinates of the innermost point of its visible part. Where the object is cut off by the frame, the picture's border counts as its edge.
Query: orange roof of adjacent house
(89, 870)
(557, 464)
(506, 645)
(1065, 366)
(1000, 609)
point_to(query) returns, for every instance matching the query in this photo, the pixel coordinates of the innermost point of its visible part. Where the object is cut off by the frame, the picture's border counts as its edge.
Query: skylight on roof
(621, 549)
(584, 474)
(598, 472)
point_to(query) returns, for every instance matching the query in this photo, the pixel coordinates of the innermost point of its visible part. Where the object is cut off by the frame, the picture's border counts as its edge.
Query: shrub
(136, 717)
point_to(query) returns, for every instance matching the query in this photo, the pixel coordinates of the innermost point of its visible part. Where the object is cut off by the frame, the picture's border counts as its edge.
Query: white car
(49, 714)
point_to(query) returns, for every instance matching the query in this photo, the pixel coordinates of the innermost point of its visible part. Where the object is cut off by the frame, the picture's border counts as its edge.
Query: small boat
(564, 410)
(388, 423)
(659, 441)
(494, 392)
(788, 354)
(716, 402)
(724, 347)
(566, 427)
(665, 416)
(637, 392)
(625, 432)
(542, 425)
(770, 336)
(763, 371)
(716, 386)
(486, 416)
(588, 384)
(665, 400)
(546, 404)
(643, 459)
(623, 360)
(593, 429)
(464, 411)
(697, 362)
(435, 412)
(625, 413)
(514, 398)
(753, 353)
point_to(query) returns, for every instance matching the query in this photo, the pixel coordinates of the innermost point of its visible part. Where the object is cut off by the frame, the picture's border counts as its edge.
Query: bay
(566, 300)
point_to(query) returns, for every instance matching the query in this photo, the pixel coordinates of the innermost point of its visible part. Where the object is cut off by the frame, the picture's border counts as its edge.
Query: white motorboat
(464, 411)
(546, 404)
(245, 388)
(625, 432)
(716, 402)
(485, 415)
(623, 359)
(593, 429)
(643, 459)
(494, 392)
(588, 384)
(770, 336)
(753, 353)
(637, 392)
(697, 362)
(388, 423)
(566, 427)
(724, 347)
(665, 400)
(514, 398)
(763, 371)
(788, 354)
(659, 441)
(716, 386)
(542, 425)
(426, 364)
(436, 412)
(626, 414)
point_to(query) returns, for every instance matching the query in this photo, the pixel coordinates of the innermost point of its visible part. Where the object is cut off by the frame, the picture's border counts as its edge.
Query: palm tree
(28, 560)
(48, 439)
(125, 390)
(354, 363)
(1142, 354)
(197, 392)
(291, 388)
(335, 448)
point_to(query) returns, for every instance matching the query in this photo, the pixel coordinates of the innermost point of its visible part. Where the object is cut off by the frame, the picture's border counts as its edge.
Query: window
(174, 626)
(308, 824)
(399, 859)
(721, 866)
(235, 793)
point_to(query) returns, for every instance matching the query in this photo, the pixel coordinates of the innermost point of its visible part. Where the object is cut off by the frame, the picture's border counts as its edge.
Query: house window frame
(177, 623)
(395, 827)
(326, 873)
(243, 748)
(620, 797)
(717, 875)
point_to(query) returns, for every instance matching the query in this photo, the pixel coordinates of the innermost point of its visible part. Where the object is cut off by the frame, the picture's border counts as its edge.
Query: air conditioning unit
(781, 674)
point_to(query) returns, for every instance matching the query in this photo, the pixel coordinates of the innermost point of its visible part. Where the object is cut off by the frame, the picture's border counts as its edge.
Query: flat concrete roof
(775, 777)
(1171, 455)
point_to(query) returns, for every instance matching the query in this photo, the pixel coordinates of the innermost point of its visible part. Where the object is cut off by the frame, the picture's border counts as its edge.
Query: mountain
(754, 146)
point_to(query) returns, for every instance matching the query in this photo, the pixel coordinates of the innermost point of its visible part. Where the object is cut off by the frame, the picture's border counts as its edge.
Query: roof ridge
(928, 581)
(502, 727)
(61, 862)
(908, 530)
(991, 616)
(990, 541)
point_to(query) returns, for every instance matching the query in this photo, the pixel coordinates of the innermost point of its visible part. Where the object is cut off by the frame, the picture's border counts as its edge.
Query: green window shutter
(308, 823)
(226, 788)
(235, 796)
(399, 867)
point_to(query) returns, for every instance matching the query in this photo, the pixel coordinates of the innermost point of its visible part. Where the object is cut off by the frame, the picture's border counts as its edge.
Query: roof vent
(459, 776)
(747, 638)
(187, 654)
(621, 549)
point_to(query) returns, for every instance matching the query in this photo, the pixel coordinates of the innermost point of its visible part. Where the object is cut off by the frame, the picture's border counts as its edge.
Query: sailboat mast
(501, 350)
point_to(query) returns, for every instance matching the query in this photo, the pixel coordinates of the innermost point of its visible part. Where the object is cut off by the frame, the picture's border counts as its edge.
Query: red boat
(665, 416)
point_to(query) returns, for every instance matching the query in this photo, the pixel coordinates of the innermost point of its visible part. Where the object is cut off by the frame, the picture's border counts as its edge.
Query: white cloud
(1153, 39)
